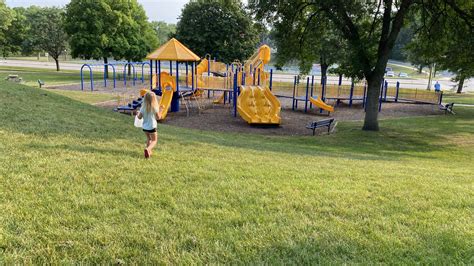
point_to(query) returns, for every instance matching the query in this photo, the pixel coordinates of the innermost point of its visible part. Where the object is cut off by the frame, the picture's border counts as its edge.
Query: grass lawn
(74, 188)
(460, 98)
(30, 76)
(85, 96)
(52, 77)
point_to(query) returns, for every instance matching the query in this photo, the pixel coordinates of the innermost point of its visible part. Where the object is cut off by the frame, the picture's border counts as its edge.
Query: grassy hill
(75, 188)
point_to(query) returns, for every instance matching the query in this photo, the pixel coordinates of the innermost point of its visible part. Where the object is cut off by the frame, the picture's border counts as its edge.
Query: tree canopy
(223, 30)
(109, 28)
(163, 30)
(5, 21)
(15, 34)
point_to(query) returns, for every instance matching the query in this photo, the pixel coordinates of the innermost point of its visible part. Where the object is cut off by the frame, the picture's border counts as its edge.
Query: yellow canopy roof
(173, 50)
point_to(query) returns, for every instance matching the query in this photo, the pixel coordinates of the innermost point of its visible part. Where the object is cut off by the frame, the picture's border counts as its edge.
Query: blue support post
(235, 95)
(351, 93)
(192, 76)
(440, 98)
(186, 74)
(171, 68)
(385, 92)
(294, 91)
(177, 76)
(243, 77)
(271, 79)
(151, 74)
(156, 66)
(340, 80)
(398, 89)
(113, 69)
(105, 76)
(323, 93)
(312, 90)
(323, 90)
(159, 74)
(364, 97)
(175, 99)
(306, 97)
(380, 97)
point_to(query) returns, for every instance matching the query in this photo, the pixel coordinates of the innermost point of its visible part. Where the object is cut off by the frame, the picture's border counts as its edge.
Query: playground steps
(134, 105)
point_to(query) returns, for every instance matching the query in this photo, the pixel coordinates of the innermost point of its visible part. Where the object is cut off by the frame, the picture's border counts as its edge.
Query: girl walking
(150, 112)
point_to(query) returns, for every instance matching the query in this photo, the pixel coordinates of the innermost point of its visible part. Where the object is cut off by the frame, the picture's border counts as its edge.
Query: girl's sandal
(147, 154)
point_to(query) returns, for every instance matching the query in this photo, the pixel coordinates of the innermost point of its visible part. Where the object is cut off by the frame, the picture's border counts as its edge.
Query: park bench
(448, 108)
(320, 123)
(40, 83)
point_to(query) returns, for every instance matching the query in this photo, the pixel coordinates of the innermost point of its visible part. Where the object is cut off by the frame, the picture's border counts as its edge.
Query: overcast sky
(167, 10)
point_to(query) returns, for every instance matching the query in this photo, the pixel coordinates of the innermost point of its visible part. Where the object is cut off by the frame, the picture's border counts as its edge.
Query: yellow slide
(168, 87)
(258, 105)
(259, 59)
(319, 103)
(220, 99)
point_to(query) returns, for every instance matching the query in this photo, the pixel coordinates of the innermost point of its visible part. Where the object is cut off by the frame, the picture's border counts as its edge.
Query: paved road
(446, 84)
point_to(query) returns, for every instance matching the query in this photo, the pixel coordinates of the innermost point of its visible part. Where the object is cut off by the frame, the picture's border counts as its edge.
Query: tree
(47, 31)
(5, 21)
(451, 42)
(108, 28)
(134, 37)
(15, 34)
(91, 26)
(222, 30)
(163, 30)
(370, 29)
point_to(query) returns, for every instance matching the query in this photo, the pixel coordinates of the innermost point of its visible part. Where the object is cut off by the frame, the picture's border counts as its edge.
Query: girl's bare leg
(148, 139)
(153, 141)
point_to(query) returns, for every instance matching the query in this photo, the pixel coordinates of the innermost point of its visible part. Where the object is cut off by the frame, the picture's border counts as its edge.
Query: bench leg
(314, 131)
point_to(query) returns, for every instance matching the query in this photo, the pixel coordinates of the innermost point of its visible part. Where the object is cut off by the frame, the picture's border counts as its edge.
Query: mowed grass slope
(460, 98)
(75, 188)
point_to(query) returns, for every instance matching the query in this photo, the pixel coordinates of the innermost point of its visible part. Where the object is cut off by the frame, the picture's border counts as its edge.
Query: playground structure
(251, 91)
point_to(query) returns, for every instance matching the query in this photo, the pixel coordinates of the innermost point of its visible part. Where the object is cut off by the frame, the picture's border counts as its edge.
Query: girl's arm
(158, 114)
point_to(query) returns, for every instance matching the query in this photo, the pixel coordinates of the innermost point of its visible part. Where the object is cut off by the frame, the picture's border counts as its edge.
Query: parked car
(403, 75)
(388, 69)
(390, 74)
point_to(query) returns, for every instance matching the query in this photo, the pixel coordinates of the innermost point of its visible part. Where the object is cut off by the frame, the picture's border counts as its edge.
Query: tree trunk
(430, 77)
(460, 84)
(129, 69)
(324, 72)
(57, 63)
(420, 69)
(106, 68)
(372, 110)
